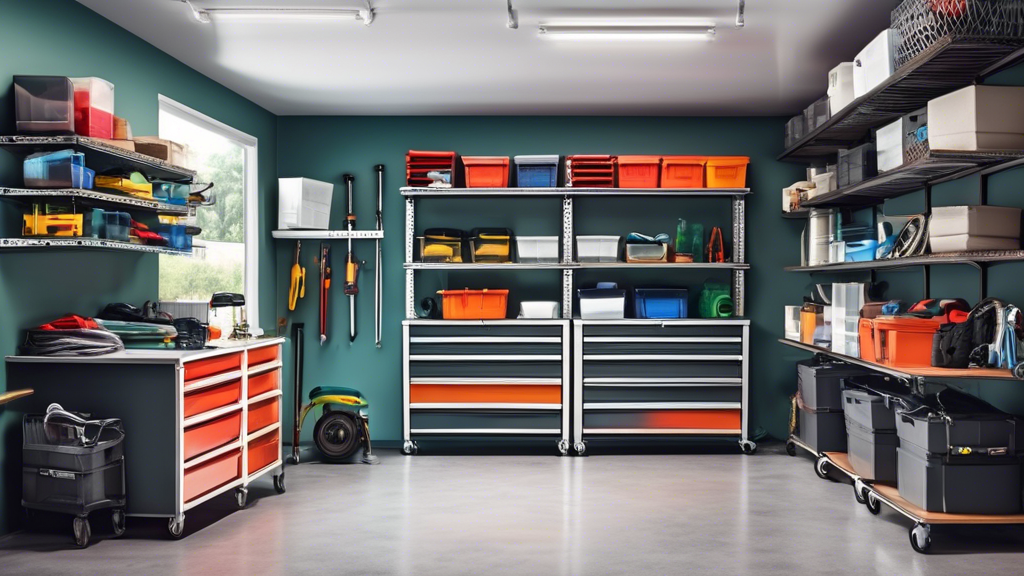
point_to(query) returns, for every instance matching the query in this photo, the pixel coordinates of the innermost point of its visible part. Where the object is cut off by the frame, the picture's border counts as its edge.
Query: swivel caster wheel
(860, 492)
(563, 447)
(873, 503)
(294, 458)
(241, 497)
(83, 531)
(580, 448)
(748, 447)
(279, 483)
(921, 538)
(176, 527)
(821, 467)
(791, 448)
(409, 448)
(117, 520)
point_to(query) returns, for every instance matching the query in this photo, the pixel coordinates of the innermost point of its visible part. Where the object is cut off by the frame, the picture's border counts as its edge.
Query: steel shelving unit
(8, 244)
(102, 155)
(91, 198)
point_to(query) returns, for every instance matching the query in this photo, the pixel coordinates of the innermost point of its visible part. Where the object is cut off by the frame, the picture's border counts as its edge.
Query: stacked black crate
(820, 399)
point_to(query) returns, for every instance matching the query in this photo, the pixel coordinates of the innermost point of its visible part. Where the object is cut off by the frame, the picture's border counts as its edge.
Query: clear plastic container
(44, 105)
(492, 245)
(62, 169)
(176, 236)
(94, 107)
(537, 249)
(441, 245)
(117, 226)
(171, 193)
(597, 248)
(602, 304)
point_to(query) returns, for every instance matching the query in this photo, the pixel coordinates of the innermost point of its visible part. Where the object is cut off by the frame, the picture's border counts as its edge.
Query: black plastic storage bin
(821, 385)
(63, 474)
(857, 165)
(953, 419)
(823, 431)
(872, 453)
(959, 485)
(869, 411)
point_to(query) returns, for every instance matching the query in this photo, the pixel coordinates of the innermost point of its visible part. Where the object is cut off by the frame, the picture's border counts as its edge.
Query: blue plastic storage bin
(171, 193)
(537, 171)
(63, 169)
(117, 226)
(175, 236)
(660, 303)
(861, 251)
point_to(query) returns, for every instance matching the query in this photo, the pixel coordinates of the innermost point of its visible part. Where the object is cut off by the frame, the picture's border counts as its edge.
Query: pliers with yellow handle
(298, 286)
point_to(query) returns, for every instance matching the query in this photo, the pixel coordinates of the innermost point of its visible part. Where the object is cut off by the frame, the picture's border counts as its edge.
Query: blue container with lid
(61, 169)
(538, 171)
(661, 303)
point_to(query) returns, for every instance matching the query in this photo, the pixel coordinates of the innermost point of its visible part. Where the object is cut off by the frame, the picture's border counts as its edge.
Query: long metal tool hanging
(325, 287)
(351, 265)
(378, 273)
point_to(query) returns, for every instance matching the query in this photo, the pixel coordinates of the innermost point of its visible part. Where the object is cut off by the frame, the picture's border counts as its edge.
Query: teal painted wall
(62, 37)
(325, 148)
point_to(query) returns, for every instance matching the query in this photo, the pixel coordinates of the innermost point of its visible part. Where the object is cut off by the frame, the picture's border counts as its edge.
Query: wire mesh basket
(919, 24)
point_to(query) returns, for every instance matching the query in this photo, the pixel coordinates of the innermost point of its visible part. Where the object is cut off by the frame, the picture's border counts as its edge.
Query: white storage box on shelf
(847, 301)
(894, 142)
(602, 303)
(793, 322)
(304, 204)
(874, 64)
(823, 184)
(973, 228)
(978, 118)
(537, 249)
(597, 248)
(539, 310)
(840, 87)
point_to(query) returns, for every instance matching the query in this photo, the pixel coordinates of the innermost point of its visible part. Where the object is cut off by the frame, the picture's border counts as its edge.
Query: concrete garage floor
(656, 514)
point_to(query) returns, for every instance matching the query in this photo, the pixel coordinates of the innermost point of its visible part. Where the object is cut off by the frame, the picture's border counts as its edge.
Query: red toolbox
(418, 163)
(590, 171)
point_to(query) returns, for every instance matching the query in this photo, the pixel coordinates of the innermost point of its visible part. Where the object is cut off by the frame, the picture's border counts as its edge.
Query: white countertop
(217, 348)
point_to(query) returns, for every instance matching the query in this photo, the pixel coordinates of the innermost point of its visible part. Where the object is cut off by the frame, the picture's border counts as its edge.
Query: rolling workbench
(198, 423)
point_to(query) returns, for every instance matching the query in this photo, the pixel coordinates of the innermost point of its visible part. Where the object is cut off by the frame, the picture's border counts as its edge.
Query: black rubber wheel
(279, 483)
(791, 448)
(920, 539)
(821, 468)
(176, 529)
(873, 503)
(859, 495)
(241, 497)
(337, 436)
(117, 521)
(82, 530)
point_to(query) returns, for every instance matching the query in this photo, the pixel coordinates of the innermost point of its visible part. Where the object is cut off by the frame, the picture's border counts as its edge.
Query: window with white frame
(225, 254)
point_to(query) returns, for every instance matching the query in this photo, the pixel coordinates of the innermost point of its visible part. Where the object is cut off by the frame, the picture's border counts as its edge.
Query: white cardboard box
(823, 184)
(968, 243)
(840, 87)
(995, 221)
(303, 204)
(978, 118)
(874, 64)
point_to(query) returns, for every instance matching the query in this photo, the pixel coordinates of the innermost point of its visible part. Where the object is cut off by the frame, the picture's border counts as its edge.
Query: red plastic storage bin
(727, 171)
(208, 476)
(264, 451)
(263, 414)
(212, 398)
(683, 171)
(418, 163)
(474, 304)
(212, 434)
(486, 171)
(866, 330)
(590, 171)
(639, 171)
(265, 382)
(904, 342)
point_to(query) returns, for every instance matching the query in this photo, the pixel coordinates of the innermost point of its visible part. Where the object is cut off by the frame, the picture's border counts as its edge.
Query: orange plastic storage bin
(683, 171)
(263, 383)
(210, 366)
(264, 451)
(212, 398)
(212, 434)
(263, 414)
(262, 355)
(474, 304)
(210, 475)
(486, 171)
(727, 171)
(694, 419)
(639, 171)
(866, 328)
(904, 342)
(505, 393)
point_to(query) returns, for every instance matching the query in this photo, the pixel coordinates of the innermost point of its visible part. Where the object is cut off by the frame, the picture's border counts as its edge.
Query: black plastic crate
(970, 486)
(954, 419)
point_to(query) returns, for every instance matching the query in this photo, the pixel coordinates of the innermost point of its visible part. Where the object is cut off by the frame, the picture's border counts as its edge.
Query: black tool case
(952, 419)
(959, 485)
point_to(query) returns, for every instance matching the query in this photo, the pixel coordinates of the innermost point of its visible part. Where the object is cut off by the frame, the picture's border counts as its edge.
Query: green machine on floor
(344, 424)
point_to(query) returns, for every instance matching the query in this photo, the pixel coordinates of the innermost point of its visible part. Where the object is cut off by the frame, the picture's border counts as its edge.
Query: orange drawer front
(263, 355)
(513, 394)
(213, 397)
(263, 414)
(210, 366)
(695, 419)
(263, 383)
(213, 434)
(264, 451)
(210, 475)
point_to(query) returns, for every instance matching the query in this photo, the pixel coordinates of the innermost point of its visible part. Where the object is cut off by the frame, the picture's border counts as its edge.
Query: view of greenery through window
(218, 263)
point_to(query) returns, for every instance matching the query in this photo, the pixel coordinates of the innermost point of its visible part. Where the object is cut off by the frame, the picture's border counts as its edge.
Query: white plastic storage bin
(537, 249)
(847, 300)
(874, 64)
(971, 228)
(597, 248)
(540, 310)
(602, 304)
(978, 118)
(304, 204)
(840, 87)
(893, 141)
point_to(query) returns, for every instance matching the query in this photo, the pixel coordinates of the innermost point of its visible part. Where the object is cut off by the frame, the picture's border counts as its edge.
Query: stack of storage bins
(958, 455)
(821, 423)
(973, 228)
(871, 435)
(590, 171)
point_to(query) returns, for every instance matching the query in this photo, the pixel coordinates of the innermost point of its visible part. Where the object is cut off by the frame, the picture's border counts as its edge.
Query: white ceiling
(458, 57)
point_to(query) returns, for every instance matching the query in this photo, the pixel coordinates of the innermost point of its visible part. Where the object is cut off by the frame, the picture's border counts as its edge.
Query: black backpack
(961, 345)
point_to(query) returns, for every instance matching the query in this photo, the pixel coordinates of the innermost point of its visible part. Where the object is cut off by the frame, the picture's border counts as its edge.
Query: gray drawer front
(592, 394)
(658, 330)
(691, 348)
(472, 349)
(662, 369)
(437, 330)
(485, 369)
(432, 420)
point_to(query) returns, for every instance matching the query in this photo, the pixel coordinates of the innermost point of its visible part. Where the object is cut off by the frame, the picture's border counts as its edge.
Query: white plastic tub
(978, 118)
(303, 204)
(840, 87)
(602, 304)
(540, 310)
(597, 248)
(537, 249)
(874, 64)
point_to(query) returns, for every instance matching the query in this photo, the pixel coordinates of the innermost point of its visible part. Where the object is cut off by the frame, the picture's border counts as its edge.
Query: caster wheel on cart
(176, 527)
(860, 492)
(408, 447)
(241, 497)
(563, 447)
(117, 520)
(279, 483)
(294, 458)
(580, 448)
(83, 531)
(873, 503)
(821, 467)
(921, 538)
(791, 448)
(748, 447)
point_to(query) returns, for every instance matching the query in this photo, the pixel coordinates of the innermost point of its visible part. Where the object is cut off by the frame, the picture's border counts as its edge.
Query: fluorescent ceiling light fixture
(269, 14)
(684, 33)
